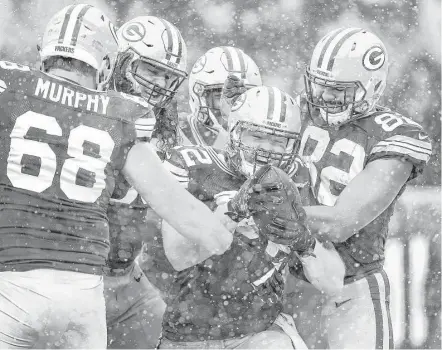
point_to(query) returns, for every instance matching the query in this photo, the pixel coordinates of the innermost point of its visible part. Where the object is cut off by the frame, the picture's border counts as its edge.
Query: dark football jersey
(195, 133)
(336, 156)
(153, 260)
(228, 295)
(127, 223)
(127, 214)
(62, 146)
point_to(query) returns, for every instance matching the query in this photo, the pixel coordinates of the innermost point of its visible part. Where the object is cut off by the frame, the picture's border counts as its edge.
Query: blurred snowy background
(280, 35)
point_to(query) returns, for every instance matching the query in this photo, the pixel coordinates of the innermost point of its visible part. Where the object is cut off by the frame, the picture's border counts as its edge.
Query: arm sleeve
(144, 128)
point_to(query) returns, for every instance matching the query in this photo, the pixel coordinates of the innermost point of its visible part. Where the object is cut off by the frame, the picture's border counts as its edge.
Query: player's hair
(68, 64)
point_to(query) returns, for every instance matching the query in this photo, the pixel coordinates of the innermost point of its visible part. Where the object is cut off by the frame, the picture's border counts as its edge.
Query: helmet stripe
(169, 39)
(229, 58)
(271, 103)
(331, 36)
(78, 24)
(175, 42)
(242, 64)
(338, 46)
(336, 42)
(65, 24)
(180, 46)
(283, 107)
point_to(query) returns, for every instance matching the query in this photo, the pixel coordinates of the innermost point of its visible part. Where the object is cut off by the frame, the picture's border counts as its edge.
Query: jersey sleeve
(176, 164)
(401, 137)
(144, 127)
(13, 77)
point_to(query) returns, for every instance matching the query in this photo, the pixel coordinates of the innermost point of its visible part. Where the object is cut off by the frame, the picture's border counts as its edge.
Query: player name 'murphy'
(56, 92)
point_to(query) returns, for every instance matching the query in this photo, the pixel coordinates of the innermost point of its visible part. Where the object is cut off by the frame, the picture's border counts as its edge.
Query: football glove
(232, 89)
(272, 199)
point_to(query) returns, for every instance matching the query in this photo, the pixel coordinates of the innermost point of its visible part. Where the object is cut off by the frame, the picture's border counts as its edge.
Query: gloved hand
(232, 89)
(273, 200)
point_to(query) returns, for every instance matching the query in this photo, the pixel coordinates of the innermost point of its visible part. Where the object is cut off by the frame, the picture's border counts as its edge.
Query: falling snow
(280, 36)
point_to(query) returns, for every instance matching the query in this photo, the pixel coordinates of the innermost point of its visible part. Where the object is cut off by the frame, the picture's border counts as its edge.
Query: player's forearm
(367, 196)
(190, 217)
(181, 252)
(331, 224)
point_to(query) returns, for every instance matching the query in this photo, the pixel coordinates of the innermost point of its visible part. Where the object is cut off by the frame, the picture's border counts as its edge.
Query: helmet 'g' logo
(134, 31)
(238, 102)
(374, 58)
(199, 65)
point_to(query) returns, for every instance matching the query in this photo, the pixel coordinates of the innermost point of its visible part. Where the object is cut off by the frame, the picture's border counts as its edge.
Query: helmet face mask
(346, 76)
(207, 79)
(210, 113)
(335, 98)
(153, 82)
(151, 60)
(257, 146)
(264, 128)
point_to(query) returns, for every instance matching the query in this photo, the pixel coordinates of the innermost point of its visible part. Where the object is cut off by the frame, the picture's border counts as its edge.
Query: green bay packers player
(360, 156)
(64, 145)
(151, 63)
(234, 300)
(206, 125)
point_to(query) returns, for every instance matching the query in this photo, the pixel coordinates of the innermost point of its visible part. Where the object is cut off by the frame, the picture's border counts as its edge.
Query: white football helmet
(154, 45)
(350, 62)
(269, 111)
(84, 33)
(208, 75)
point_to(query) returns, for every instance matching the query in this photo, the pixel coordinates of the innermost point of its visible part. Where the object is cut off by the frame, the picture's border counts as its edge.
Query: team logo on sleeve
(135, 31)
(374, 58)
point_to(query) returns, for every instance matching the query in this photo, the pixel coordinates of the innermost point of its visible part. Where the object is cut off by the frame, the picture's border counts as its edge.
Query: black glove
(232, 89)
(273, 200)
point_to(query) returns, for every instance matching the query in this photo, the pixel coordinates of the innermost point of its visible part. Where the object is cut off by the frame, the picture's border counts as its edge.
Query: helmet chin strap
(335, 118)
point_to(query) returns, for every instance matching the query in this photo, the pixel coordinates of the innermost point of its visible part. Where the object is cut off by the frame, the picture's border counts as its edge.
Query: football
(279, 195)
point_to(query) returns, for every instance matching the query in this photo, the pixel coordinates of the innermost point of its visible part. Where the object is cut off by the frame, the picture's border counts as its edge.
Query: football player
(134, 308)
(361, 156)
(63, 144)
(234, 300)
(207, 124)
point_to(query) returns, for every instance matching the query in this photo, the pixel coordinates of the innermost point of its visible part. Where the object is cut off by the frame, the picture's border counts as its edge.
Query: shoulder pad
(9, 68)
(397, 136)
(127, 107)
(11, 73)
(135, 99)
